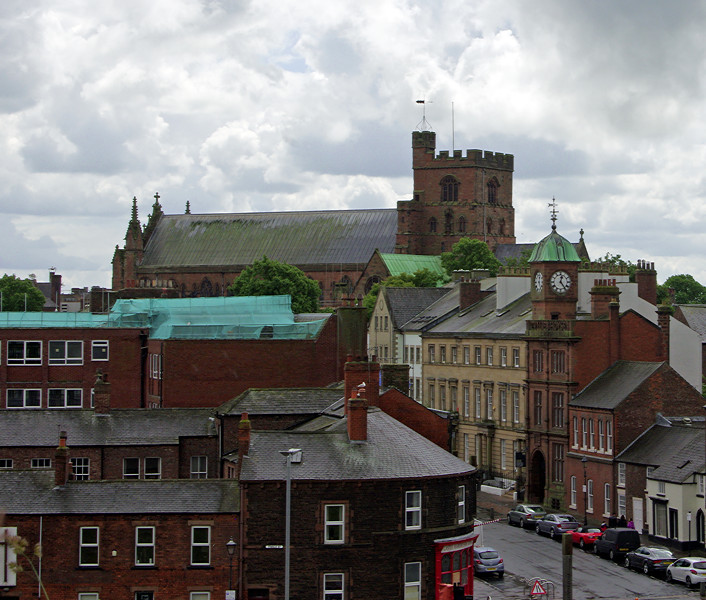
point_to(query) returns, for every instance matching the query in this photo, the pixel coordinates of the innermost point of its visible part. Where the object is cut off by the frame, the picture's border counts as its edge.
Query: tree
(686, 290)
(617, 261)
(468, 254)
(521, 261)
(271, 278)
(13, 294)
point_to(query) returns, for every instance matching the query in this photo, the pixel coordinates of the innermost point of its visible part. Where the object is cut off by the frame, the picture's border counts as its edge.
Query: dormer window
(449, 189)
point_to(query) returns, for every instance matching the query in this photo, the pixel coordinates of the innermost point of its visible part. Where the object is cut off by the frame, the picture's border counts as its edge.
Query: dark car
(526, 514)
(487, 561)
(556, 525)
(649, 559)
(616, 543)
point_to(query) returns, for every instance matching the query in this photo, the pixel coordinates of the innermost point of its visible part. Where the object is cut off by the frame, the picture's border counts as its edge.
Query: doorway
(538, 476)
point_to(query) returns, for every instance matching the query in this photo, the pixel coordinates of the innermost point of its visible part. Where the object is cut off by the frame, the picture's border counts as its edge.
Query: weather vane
(424, 125)
(554, 212)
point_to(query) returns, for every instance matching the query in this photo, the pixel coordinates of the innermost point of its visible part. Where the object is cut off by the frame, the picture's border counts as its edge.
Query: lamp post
(289, 454)
(584, 460)
(230, 547)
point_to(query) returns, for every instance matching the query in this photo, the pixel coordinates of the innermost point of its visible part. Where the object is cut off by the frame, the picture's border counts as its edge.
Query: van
(617, 542)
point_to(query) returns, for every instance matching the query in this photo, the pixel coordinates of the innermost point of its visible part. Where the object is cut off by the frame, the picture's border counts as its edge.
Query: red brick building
(191, 255)
(566, 351)
(605, 418)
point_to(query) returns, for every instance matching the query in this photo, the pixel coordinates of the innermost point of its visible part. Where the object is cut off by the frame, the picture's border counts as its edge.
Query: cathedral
(454, 196)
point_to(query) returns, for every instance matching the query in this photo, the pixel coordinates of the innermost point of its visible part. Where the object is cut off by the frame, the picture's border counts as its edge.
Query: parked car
(617, 542)
(555, 525)
(691, 570)
(585, 536)
(526, 514)
(649, 559)
(487, 561)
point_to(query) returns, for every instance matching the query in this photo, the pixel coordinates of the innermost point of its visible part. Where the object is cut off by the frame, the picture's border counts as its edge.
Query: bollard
(702, 589)
(492, 513)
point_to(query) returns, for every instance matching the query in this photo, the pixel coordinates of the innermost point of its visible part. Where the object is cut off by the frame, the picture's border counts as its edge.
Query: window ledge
(201, 567)
(144, 567)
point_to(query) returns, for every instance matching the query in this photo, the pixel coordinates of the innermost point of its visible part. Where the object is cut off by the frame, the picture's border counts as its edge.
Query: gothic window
(432, 225)
(449, 189)
(449, 222)
(371, 282)
(493, 191)
(462, 224)
(206, 288)
(501, 227)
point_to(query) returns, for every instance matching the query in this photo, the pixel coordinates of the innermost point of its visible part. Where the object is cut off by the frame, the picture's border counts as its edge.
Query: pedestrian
(622, 521)
(631, 524)
(612, 521)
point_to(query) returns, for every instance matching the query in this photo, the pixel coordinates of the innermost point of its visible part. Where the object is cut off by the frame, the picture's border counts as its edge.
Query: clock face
(538, 281)
(560, 282)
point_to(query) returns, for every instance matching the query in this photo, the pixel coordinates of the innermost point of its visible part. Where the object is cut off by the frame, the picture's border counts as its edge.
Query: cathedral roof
(554, 248)
(297, 238)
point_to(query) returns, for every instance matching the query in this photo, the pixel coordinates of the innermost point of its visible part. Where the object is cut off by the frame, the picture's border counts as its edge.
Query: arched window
(432, 225)
(371, 282)
(493, 191)
(462, 224)
(449, 222)
(449, 189)
(489, 225)
(501, 227)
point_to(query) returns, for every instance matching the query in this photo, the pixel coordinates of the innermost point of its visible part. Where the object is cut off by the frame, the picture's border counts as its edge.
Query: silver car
(487, 561)
(555, 525)
(525, 515)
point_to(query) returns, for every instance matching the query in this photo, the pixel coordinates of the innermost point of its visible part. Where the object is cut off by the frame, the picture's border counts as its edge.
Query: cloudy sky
(238, 106)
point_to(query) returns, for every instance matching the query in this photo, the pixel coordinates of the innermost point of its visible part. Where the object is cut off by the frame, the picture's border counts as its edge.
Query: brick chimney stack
(244, 428)
(358, 416)
(603, 293)
(61, 461)
(101, 395)
(646, 279)
(361, 370)
(664, 313)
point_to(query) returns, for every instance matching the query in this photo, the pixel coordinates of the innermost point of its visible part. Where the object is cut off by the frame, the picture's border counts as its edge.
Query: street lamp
(291, 454)
(230, 547)
(584, 460)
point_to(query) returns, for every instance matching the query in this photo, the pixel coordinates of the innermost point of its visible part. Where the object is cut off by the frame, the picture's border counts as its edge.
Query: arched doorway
(537, 477)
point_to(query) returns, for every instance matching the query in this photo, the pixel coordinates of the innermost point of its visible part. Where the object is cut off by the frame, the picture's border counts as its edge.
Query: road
(528, 556)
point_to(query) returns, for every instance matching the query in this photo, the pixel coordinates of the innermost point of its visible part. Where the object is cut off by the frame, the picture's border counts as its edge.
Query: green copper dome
(554, 248)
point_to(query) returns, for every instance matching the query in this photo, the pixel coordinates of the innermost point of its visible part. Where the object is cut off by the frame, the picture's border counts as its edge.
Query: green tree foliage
(13, 294)
(468, 254)
(420, 278)
(271, 278)
(617, 261)
(686, 290)
(522, 261)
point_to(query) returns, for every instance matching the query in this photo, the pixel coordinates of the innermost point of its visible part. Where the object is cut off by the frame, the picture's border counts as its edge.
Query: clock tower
(554, 267)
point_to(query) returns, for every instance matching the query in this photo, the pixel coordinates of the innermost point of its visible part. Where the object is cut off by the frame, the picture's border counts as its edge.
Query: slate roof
(484, 319)
(392, 451)
(443, 307)
(122, 426)
(297, 238)
(695, 316)
(282, 401)
(33, 492)
(615, 384)
(405, 303)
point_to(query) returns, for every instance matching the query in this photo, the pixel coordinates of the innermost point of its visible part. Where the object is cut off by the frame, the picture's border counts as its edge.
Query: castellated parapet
(424, 145)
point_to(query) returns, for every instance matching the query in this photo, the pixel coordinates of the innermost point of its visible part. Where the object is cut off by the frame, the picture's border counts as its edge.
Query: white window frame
(103, 347)
(477, 354)
(461, 504)
(6, 463)
(84, 545)
(200, 596)
(64, 401)
(621, 474)
(65, 345)
(489, 403)
(34, 405)
(607, 500)
(592, 434)
(466, 402)
(334, 586)
(503, 455)
(609, 435)
(334, 529)
(152, 473)
(155, 366)
(661, 488)
(601, 438)
(515, 406)
(24, 360)
(130, 474)
(503, 405)
(589, 496)
(503, 357)
(584, 433)
(572, 501)
(413, 509)
(413, 581)
(515, 357)
(197, 469)
(489, 356)
(81, 468)
(142, 545)
(200, 545)
(8, 577)
(40, 463)
(466, 355)
(476, 394)
(575, 423)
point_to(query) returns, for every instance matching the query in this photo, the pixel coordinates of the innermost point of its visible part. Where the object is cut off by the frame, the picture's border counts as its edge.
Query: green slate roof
(409, 263)
(296, 238)
(554, 248)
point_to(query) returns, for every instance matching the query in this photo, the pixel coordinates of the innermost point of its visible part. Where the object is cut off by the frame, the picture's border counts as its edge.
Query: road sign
(538, 589)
